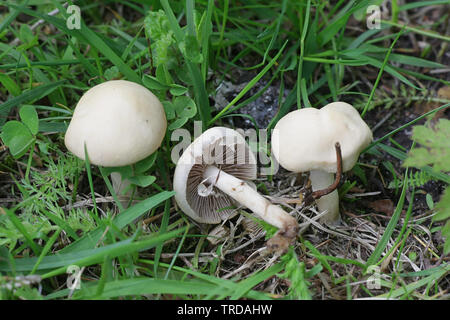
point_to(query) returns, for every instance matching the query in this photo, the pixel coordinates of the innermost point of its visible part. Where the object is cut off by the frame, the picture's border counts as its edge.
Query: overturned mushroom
(210, 178)
(323, 141)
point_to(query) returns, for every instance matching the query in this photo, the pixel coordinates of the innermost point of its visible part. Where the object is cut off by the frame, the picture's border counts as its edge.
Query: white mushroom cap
(121, 122)
(303, 140)
(219, 146)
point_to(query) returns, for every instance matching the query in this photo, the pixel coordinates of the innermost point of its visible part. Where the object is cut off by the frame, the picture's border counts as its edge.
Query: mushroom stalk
(119, 186)
(330, 202)
(244, 194)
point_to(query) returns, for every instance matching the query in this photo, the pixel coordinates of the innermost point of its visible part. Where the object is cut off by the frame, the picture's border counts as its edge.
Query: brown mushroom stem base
(330, 202)
(244, 194)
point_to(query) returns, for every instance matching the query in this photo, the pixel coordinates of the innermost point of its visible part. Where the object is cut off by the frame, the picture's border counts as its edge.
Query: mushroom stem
(119, 186)
(330, 202)
(324, 187)
(243, 193)
(322, 192)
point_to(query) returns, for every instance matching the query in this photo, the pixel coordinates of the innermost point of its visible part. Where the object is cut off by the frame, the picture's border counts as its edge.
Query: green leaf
(163, 75)
(29, 117)
(191, 49)
(27, 96)
(26, 34)
(145, 164)
(446, 235)
(10, 85)
(17, 137)
(177, 90)
(295, 271)
(157, 29)
(177, 123)
(22, 229)
(169, 109)
(142, 181)
(112, 73)
(443, 207)
(429, 200)
(153, 83)
(436, 147)
(27, 37)
(125, 171)
(402, 156)
(185, 107)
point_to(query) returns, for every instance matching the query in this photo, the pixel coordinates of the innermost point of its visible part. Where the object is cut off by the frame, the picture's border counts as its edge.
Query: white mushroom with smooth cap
(210, 177)
(119, 121)
(305, 140)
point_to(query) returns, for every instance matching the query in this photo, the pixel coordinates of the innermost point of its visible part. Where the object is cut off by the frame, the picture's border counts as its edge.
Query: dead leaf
(239, 258)
(422, 107)
(385, 206)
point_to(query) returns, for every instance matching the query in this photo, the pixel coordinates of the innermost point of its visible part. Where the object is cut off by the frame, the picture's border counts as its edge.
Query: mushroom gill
(216, 204)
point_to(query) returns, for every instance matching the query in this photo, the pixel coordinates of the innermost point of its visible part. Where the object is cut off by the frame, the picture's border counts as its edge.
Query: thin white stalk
(244, 194)
(330, 202)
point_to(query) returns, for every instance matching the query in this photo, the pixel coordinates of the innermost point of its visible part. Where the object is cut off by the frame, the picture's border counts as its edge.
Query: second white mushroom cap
(303, 140)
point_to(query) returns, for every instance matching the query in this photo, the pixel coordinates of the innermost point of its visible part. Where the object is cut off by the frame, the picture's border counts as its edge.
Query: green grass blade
(27, 96)
(223, 284)
(426, 33)
(19, 226)
(419, 4)
(60, 223)
(402, 156)
(247, 284)
(147, 286)
(381, 246)
(206, 35)
(373, 144)
(162, 229)
(127, 216)
(46, 249)
(428, 281)
(386, 59)
(89, 257)
(201, 96)
(90, 37)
